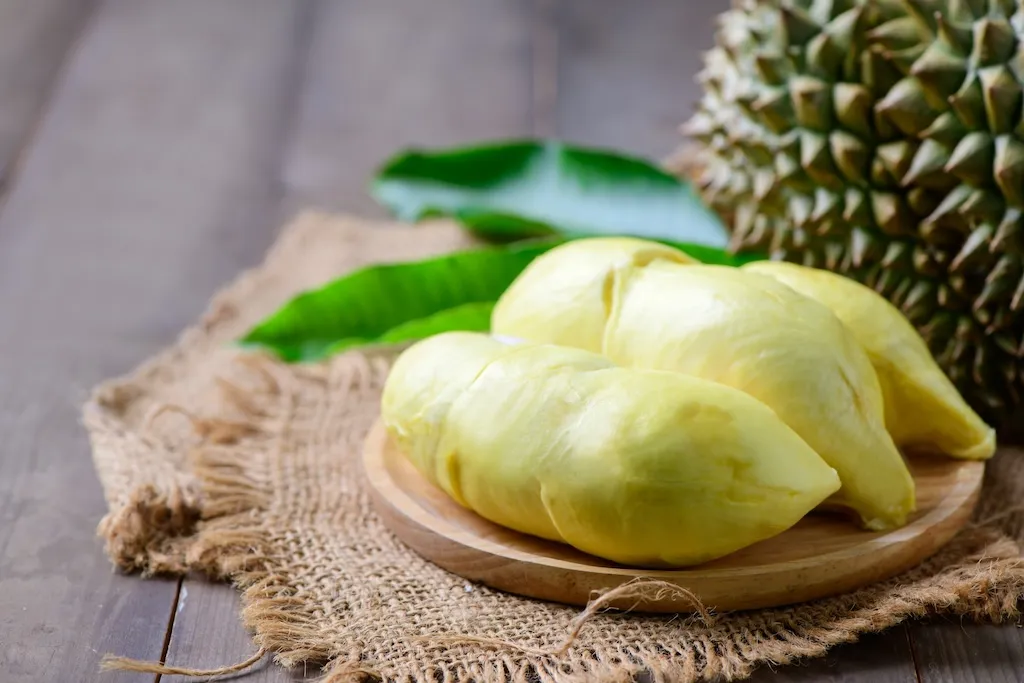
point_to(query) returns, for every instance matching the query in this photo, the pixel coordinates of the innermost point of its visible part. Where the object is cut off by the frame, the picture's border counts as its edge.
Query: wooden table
(182, 132)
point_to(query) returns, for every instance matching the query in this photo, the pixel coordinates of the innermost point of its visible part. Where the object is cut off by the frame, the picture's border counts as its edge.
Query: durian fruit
(744, 330)
(635, 466)
(922, 407)
(882, 139)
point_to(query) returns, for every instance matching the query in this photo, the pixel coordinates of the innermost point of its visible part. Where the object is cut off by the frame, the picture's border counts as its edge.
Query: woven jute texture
(221, 460)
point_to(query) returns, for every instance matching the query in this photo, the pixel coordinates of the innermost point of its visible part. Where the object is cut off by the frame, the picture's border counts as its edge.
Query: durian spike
(994, 41)
(900, 33)
(907, 107)
(1003, 7)
(940, 330)
(773, 68)
(774, 108)
(969, 104)
(919, 303)
(878, 73)
(1002, 319)
(797, 23)
(923, 262)
(1017, 303)
(982, 366)
(904, 59)
(826, 205)
(940, 71)
(824, 11)
(931, 158)
(971, 160)
(800, 209)
(956, 36)
(1001, 95)
(951, 203)
(897, 156)
(1000, 282)
(891, 213)
(923, 201)
(1009, 233)
(895, 254)
(967, 10)
(921, 11)
(786, 169)
(1009, 169)
(844, 30)
(850, 155)
(974, 251)
(946, 129)
(833, 254)
(898, 294)
(946, 297)
(811, 102)
(825, 57)
(863, 246)
(856, 209)
(853, 106)
(983, 205)
(816, 160)
(1005, 342)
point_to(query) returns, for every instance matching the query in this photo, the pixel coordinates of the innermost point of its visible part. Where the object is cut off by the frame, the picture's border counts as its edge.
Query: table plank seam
(170, 627)
(913, 653)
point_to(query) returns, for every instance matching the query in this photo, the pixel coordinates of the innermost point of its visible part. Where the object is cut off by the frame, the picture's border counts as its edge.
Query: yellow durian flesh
(563, 294)
(922, 406)
(638, 467)
(753, 333)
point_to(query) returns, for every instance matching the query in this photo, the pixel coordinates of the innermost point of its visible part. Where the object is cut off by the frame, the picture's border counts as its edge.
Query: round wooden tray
(822, 555)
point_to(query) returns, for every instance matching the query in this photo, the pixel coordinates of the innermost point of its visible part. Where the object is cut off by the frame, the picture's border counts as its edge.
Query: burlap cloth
(226, 462)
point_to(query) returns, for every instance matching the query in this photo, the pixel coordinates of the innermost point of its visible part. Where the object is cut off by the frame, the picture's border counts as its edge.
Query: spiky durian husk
(883, 139)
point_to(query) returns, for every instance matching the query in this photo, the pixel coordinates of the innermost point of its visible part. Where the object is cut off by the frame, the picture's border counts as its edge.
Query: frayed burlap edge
(196, 447)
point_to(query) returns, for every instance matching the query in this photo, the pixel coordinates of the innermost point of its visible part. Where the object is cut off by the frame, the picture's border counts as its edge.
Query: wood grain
(951, 651)
(627, 70)
(389, 74)
(149, 183)
(873, 659)
(35, 38)
(821, 555)
(376, 76)
(208, 634)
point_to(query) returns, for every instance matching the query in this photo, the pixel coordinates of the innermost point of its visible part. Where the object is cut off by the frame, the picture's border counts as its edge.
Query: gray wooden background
(149, 149)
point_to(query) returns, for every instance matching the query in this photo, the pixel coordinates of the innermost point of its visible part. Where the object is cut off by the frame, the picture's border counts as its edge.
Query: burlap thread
(224, 461)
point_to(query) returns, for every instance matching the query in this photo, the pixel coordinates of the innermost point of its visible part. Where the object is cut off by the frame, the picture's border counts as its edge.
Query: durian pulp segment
(883, 139)
(562, 296)
(922, 407)
(639, 467)
(755, 334)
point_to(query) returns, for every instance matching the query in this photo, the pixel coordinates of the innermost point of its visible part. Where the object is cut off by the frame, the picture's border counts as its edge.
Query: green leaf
(395, 302)
(512, 190)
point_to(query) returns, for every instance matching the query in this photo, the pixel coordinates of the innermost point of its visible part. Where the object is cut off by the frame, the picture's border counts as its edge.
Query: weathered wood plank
(881, 658)
(35, 38)
(949, 651)
(208, 634)
(627, 70)
(388, 74)
(379, 76)
(150, 182)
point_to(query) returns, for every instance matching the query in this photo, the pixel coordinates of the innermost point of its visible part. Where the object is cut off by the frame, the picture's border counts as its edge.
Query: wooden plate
(822, 555)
